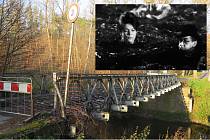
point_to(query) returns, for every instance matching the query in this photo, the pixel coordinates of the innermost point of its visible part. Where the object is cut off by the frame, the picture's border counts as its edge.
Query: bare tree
(92, 11)
(15, 33)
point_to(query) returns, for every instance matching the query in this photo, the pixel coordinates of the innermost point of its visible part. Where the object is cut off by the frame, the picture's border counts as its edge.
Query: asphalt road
(3, 119)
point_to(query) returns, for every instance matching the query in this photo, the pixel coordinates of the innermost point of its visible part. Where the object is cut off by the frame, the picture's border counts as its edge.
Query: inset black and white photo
(151, 36)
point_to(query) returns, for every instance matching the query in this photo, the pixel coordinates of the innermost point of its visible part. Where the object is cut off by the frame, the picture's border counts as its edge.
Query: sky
(84, 6)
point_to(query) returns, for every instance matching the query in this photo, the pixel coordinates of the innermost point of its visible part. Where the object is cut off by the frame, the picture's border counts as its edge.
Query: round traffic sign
(73, 12)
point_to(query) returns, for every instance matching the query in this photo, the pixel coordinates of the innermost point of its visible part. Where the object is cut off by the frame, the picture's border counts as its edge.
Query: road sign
(73, 12)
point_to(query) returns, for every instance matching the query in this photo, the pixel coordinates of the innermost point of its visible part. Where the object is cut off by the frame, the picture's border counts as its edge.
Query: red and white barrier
(18, 87)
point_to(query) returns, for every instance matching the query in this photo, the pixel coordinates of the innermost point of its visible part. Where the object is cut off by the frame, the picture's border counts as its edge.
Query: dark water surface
(118, 127)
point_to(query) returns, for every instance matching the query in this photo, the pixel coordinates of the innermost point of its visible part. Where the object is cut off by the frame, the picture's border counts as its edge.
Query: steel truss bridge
(100, 94)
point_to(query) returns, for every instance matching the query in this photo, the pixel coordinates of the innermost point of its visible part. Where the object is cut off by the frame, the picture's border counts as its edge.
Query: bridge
(90, 94)
(98, 95)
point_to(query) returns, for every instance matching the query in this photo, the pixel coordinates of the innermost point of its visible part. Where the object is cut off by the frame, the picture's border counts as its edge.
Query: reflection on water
(118, 127)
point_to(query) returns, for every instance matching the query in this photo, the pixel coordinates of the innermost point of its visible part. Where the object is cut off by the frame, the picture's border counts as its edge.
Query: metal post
(55, 100)
(5, 101)
(115, 94)
(55, 95)
(32, 102)
(11, 102)
(24, 103)
(132, 86)
(67, 75)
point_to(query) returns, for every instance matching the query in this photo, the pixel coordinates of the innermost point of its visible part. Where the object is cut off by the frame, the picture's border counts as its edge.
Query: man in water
(189, 52)
(190, 48)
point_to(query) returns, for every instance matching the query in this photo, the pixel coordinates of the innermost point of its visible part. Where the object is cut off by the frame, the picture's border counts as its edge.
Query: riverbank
(201, 106)
(165, 125)
(171, 107)
(28, 129)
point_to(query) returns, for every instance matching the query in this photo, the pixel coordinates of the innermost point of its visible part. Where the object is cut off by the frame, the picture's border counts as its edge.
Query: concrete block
(103, 116)
(119, 108)
(132, 103)
(158, 93)
(142, 99)
(166, 90)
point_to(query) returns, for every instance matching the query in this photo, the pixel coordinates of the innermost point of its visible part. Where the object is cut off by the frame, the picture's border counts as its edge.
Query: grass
(25, 128)
(201, 93)
(143, 134)
(33, 125)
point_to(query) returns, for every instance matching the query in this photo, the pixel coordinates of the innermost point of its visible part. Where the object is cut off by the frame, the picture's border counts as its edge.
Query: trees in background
(16, 33)
(35, 37)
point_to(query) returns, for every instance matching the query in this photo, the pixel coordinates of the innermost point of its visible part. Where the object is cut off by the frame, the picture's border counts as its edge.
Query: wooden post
(190, 100)
(55, 101)
(32, 101)
(190, 104)
(189, 133)
(183, 72)
(209, 75)
(55, 95)
(59, 96)
(72, 130)
(195, 75)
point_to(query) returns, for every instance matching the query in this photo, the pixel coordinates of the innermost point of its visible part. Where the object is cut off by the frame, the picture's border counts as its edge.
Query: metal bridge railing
(101, 94)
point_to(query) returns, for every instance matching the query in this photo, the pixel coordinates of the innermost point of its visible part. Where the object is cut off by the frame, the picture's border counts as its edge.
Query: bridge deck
(107, 76)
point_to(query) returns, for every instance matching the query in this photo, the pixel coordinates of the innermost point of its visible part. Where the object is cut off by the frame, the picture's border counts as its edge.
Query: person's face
(129, 33)
(187, 43)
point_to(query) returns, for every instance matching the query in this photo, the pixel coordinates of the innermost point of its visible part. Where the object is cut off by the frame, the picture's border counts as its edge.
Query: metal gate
(16, 95)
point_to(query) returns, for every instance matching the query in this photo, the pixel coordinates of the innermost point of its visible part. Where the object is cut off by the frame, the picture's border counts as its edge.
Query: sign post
(73, 15)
